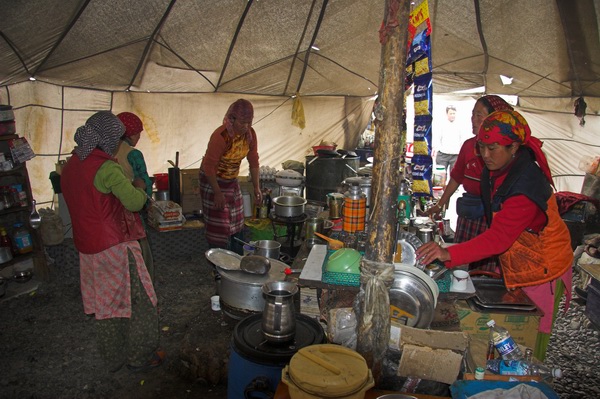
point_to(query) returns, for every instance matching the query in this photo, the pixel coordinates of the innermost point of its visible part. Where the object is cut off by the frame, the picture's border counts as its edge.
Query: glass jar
(22, 239)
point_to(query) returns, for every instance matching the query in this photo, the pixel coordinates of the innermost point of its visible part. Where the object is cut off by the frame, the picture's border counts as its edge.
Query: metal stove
(292, 240)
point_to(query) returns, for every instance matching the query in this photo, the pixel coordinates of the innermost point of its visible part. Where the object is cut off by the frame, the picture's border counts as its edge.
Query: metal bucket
(325, 175)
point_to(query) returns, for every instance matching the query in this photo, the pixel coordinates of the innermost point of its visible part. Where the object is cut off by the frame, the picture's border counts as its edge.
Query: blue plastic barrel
(255, 364)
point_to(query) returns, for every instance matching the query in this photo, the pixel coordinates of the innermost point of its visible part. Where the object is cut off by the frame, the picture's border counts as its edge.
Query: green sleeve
(138, 164)
(110, 178)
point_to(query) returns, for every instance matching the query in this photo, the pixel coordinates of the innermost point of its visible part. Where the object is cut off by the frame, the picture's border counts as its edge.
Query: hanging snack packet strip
(423, 94)
(422, 167)
(422, 135)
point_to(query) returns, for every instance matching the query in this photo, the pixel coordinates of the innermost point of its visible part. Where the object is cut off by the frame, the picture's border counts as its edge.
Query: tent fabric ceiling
(549, 48)
(179, 64)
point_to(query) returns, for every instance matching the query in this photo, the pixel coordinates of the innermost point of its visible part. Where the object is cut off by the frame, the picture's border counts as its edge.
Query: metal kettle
(279, 319)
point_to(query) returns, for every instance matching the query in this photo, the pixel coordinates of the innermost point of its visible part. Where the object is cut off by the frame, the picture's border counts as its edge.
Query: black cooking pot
(328, 153)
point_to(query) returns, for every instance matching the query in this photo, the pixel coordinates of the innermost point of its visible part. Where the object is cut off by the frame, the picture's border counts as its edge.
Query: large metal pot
(289, 206)
(241, 293)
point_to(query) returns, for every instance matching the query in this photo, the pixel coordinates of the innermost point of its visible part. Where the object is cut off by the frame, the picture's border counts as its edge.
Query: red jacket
(99, 220)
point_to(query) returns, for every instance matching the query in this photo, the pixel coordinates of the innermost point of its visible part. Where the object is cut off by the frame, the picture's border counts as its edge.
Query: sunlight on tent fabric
(506, 80)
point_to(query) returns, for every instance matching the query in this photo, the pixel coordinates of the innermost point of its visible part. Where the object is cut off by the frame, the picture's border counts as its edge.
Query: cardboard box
(429, 354)
(523, 326)
(191, 203)
(190, 181)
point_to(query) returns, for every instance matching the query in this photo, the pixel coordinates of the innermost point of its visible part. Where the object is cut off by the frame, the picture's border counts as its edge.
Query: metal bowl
(412, 300)
(22, 276)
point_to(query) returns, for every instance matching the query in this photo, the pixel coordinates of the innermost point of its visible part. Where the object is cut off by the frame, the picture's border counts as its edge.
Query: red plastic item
(161, 180)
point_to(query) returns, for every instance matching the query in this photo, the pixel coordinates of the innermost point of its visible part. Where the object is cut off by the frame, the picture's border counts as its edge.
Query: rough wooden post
(377, 270)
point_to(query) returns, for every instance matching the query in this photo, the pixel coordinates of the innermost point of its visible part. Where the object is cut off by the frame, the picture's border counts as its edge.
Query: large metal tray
(493, 293)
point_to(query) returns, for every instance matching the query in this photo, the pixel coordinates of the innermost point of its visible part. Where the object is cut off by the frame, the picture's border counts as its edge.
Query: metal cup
(425, 234)
(313, 225)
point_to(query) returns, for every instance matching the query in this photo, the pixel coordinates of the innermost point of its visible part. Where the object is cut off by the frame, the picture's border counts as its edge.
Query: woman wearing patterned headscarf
(222, 202)
(467, 171)
(525, 229)
(115, 284)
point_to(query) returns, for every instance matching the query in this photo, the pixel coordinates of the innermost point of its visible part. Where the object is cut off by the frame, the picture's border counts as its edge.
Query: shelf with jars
(19, 242)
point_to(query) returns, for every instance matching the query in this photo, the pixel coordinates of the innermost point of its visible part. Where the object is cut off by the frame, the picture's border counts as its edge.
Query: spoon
(333, 243)
(35, 219)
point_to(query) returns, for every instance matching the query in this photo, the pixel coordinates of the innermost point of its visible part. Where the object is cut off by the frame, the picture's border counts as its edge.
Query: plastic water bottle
(521, 367)
(505, 344)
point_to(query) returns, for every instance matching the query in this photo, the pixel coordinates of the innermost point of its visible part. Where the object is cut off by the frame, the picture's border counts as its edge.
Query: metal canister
(355, 210)
(425, 234)
(335, 201)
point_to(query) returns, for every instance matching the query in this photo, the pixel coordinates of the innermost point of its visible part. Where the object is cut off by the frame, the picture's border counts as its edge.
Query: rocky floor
(47, 344)
(575, 349)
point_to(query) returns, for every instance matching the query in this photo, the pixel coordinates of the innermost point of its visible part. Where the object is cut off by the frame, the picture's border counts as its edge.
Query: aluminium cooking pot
(267, 248)
(289, 206)
(241, 293)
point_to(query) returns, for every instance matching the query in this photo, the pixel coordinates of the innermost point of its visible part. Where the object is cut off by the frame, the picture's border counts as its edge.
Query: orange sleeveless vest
(539, 258)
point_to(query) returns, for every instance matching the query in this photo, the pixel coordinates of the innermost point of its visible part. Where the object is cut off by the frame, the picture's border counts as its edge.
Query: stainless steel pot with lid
(241, 292)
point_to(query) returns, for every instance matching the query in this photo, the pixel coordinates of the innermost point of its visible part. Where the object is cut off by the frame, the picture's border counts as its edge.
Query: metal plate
(425, 277)
(409, 244)
(495, 293)
(487, 308)
(224, 258)
(411, 300)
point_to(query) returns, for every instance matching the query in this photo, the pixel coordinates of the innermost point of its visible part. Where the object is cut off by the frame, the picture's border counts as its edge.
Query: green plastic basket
(334, 278)
(444, 282)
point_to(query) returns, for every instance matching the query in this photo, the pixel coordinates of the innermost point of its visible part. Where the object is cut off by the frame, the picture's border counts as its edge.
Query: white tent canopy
(179, 63)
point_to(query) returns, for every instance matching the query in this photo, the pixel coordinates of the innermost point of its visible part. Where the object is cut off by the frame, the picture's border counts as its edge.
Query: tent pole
(377, 270)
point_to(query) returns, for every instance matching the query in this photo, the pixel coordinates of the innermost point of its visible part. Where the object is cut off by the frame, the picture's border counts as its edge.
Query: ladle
(35, 220)
(244, 242)
(333, 243)
(255, 264)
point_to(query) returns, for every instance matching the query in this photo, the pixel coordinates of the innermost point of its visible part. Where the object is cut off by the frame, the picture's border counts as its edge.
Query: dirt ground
(48, 347)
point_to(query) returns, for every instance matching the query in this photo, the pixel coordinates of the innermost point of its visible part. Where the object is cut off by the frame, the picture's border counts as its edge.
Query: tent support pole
(377, 270)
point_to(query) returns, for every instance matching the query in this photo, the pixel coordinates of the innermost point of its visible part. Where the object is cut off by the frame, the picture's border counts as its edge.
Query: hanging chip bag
(423, 94)
(419, 48)
(422, 168)
(422, 135)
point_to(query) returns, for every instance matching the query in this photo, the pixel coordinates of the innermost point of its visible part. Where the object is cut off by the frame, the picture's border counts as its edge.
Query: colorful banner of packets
(418, 70)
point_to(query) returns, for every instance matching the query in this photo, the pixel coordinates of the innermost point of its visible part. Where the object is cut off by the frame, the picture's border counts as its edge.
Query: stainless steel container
(267, 248)
(288, 206)
(425, 234)
(279, 318)
(241, 292)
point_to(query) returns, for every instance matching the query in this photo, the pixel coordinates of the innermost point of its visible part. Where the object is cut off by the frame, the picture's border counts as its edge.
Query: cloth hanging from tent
(298, 113)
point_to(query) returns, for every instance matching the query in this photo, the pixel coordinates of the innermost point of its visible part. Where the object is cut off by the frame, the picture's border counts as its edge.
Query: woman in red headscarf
(130, 158)
(524, 227)
(467, 171)
(134, 166)
(222, 202)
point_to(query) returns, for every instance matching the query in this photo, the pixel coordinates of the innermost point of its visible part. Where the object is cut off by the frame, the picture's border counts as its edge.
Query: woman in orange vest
(525, 228)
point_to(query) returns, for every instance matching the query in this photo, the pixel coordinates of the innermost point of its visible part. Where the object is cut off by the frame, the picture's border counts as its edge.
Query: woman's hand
(219, 200)
(139, 183)
(435, 211)
(431, 251)
(257, 196)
